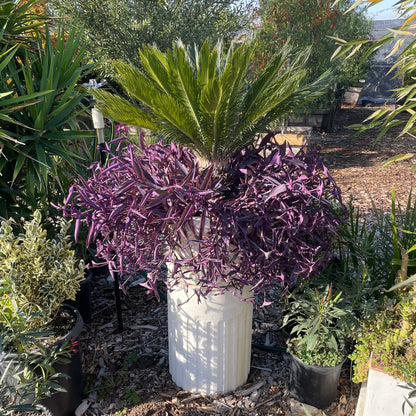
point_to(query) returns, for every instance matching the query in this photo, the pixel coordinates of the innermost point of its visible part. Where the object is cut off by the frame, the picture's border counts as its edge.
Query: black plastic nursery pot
(100, 271)
(65, 403)
(313, 384)
(82, 300)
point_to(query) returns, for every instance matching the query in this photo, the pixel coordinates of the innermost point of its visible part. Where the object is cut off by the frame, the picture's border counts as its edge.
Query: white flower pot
(351, 96)
(210, 341)
(381, 395)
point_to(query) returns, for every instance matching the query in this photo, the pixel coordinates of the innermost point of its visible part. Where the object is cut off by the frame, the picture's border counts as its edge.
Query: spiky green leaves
(206, 99)
(39, 101)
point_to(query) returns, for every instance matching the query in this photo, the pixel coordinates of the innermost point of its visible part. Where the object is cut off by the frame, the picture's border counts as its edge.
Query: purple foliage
(285, 213)
(267, 221)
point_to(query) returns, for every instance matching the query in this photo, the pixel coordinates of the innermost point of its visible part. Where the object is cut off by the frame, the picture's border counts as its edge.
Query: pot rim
(76, 329)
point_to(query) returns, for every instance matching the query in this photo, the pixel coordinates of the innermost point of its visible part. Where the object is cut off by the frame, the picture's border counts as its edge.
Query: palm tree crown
(207, 99)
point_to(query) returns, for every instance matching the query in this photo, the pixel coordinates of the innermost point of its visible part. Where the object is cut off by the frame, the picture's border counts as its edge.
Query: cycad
(205, 99)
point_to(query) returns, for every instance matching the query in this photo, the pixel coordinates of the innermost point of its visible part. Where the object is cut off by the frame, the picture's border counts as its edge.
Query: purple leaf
(266, 221)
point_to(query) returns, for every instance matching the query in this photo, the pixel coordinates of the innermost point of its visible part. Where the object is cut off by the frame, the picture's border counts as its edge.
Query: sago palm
(205, 99)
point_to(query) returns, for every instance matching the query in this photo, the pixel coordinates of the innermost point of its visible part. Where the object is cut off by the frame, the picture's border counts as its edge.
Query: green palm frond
(204, 98)
(117, 108)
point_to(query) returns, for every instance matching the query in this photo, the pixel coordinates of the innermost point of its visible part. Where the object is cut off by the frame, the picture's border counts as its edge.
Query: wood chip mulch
(126, 373)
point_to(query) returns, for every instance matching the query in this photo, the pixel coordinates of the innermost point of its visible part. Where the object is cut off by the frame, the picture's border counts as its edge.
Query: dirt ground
(356, 162)
(127, 373)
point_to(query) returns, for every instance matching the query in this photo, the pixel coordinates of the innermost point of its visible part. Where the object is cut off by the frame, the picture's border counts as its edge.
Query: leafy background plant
(361, 265)
(115, 30)
(305, 23)
(388, 339)
(388, 332)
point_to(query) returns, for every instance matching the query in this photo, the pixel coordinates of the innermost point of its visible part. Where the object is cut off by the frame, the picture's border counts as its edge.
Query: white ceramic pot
(352, 95)
(209, 341)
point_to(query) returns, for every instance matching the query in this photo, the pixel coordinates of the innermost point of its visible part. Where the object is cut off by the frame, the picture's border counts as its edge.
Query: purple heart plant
(266, 221)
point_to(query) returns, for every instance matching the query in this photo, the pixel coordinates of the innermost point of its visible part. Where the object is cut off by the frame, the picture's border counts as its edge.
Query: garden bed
(127, 373)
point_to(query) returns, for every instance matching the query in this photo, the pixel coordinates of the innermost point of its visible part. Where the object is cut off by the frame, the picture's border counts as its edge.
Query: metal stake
(118, 302)
(98, 121)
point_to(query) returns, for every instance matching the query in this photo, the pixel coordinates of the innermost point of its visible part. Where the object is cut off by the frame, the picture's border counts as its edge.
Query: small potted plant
(319, 325)
(38, 274)
(27, 374)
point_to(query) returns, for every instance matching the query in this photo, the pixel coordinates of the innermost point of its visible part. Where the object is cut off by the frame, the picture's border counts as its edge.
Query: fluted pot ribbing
(209, 341)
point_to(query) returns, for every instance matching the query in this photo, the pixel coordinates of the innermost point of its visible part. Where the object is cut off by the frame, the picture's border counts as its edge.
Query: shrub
(312, 23)
(118, 28)
(388, 338)
(38, 274)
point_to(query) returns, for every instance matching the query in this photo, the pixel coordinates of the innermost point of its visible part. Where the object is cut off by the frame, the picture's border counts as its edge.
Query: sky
(383, 10)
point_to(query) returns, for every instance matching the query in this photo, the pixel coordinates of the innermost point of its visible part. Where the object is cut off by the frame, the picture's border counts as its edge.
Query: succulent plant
(267, 221)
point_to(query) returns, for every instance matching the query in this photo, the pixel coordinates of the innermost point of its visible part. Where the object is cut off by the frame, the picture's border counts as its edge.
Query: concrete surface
(382, 395)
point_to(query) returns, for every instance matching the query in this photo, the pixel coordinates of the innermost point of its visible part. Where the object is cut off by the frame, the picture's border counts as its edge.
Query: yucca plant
(40, 100)
(10, 103)
(206, 99)
(17, 19)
